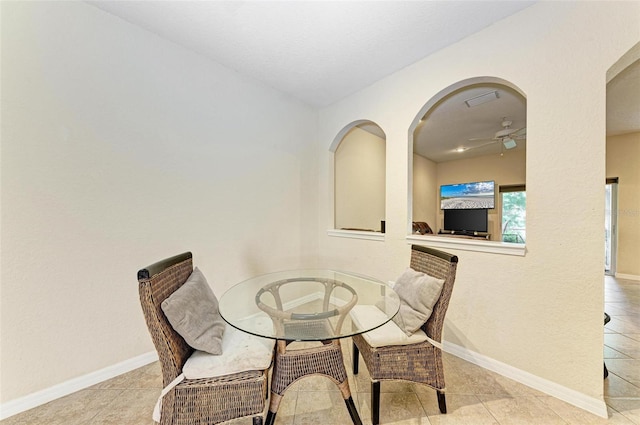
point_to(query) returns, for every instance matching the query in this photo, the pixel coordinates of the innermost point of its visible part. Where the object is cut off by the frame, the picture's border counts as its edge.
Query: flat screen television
(466, 221)
(465, 196)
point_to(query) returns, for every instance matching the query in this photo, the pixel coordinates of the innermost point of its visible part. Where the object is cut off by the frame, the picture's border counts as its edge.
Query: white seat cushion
(240, 352)
(387, 334)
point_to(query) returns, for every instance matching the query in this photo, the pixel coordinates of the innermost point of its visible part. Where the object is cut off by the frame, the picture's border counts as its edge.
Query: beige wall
(425, 191)
(360, 181)
(504, 170)
(428, 177)
(623, 161)
(120, 149)
(541, 313)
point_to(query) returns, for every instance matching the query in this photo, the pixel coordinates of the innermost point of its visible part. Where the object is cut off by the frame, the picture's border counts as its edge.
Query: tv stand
(465, 234)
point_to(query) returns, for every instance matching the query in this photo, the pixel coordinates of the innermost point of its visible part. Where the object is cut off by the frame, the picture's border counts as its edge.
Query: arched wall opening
(359, 159)
(473, 131)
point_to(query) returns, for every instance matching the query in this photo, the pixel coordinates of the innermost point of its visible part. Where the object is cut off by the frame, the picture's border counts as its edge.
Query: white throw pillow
(193, 312)
(418, 293)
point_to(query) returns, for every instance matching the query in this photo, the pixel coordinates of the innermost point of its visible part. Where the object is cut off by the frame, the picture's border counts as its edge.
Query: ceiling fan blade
(492, 142)
(481, 139)
(520, 132)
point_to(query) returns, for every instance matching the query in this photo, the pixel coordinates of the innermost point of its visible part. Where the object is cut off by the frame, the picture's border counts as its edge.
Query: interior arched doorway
(623, 130)
(622, 226)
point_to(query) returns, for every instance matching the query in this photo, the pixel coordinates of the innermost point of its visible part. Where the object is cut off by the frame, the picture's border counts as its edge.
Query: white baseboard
(41, 397)
(627, 276)
(590, 404)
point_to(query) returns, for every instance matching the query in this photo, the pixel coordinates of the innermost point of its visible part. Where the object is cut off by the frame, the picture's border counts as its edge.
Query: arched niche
(472, 131)
(359, 163)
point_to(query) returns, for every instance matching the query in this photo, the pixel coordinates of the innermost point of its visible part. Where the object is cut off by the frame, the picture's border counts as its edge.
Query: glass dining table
(306, 305)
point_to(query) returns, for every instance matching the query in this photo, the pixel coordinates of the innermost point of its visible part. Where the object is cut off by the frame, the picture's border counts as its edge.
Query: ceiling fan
(507, 136)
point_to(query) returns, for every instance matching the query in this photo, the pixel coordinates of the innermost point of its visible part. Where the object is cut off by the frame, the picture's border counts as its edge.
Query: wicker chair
(193, 401)
(420, 362)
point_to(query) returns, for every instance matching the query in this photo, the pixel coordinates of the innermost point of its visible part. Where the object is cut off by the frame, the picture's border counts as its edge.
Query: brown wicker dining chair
(416, 358)
(208, 400)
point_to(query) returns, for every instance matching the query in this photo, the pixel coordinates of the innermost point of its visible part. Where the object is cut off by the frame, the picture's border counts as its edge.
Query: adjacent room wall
(538, 317)
(425, 191)
(120, 149)
(623, 161)
(504, 170)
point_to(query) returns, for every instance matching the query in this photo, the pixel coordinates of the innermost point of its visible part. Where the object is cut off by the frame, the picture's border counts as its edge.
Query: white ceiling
(623, 101)
(316, 51)
(322, 51)
(451, 123)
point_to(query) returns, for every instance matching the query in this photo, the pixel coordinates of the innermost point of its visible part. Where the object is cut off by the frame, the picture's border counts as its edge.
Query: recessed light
(460, 149)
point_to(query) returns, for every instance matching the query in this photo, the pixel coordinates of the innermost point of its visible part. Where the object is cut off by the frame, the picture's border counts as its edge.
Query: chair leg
(266, 388)
(257, 420)
(271, 418)
(442, 402)
(356, 356)
(353, 412)
(375, 402)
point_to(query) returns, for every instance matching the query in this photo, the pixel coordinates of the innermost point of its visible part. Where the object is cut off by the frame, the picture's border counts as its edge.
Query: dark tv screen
(467, 195)
(466, 220)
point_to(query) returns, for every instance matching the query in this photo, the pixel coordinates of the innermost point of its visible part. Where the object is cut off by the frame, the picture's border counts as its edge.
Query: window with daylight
(514, 213)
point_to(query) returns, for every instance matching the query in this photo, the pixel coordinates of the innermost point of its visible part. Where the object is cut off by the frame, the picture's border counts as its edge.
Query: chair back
(441, 265)
(155, 284)
(421, 227)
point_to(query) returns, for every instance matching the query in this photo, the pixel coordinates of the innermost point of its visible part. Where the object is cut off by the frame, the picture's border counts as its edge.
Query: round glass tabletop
(306, 305)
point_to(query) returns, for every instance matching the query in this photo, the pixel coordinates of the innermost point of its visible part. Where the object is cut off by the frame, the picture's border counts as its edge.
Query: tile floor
(475, 396)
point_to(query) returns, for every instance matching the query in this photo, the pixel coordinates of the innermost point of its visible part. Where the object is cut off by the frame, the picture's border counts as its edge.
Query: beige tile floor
(475, 396)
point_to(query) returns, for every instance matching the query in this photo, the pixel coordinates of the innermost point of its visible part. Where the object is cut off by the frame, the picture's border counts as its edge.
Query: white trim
(41, 397)
(627, 276)
(356, 234)
(290, 305)
(597, 406)
(301, 301)
(479, 245)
